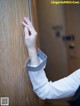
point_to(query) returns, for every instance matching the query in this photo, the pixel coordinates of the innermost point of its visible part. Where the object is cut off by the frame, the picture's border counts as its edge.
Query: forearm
(53, 90)
(34, 60)
(36, 69)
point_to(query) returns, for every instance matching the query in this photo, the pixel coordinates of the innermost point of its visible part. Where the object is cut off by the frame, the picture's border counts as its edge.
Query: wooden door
(14, 80)
(72, 19)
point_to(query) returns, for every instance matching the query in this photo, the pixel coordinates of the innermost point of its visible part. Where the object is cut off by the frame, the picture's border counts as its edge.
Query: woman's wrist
(33, 56)
(32, 49)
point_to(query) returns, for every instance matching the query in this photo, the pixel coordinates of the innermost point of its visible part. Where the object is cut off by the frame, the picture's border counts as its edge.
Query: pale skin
(30, 40)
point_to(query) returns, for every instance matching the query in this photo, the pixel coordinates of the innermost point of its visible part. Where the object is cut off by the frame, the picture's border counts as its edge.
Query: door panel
(72, 14)
(14, 80)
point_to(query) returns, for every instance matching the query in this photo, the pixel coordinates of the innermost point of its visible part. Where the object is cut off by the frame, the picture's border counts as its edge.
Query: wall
(72, 18)
(14, 80)
(48, 16)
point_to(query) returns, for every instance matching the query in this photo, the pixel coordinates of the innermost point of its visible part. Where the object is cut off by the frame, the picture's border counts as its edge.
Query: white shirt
(45, 89)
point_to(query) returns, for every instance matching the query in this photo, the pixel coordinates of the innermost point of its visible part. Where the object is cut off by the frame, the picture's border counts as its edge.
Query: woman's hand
(30, 34)
(30, 40)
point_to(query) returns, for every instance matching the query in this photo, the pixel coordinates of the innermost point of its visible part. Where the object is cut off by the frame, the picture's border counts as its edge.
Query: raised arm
(64, 87)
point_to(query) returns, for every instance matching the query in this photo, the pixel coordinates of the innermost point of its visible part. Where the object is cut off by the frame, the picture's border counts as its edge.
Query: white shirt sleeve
(45, 89)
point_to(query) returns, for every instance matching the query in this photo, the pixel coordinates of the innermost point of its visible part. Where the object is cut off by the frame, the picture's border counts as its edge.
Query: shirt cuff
(43, 59)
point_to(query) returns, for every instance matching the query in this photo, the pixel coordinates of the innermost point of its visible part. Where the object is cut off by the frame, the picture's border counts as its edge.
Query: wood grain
(14, 80)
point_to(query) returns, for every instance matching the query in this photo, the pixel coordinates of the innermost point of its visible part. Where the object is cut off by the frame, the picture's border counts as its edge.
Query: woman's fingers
(30, 29)
(24, 24)
(27, 21)
(26, 31)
